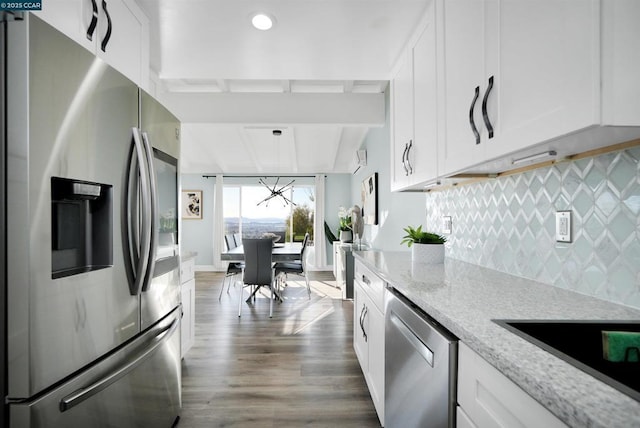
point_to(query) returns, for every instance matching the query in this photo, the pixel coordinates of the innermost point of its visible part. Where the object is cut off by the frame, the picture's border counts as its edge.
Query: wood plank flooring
(297, 369)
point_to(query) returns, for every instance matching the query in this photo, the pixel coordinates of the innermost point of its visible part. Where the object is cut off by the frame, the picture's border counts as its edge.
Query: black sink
(580, 344)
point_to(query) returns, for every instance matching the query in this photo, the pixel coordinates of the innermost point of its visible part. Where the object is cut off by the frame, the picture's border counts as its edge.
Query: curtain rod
(263, 176)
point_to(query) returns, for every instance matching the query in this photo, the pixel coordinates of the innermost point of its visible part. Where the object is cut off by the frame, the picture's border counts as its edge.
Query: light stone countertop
(464, 298)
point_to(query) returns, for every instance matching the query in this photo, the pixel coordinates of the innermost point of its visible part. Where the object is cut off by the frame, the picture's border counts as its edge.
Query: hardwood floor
(293, 370)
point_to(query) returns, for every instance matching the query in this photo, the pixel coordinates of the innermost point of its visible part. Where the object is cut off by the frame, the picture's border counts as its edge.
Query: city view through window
(243, 215)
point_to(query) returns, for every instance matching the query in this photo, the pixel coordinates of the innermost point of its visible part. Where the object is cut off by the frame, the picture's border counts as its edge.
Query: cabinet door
(490, 399)
(423, 154)
(360, 345)
(71, 17)
(125, 50)
(464, 54)
(544, 57)
(375, 333)
(402, 119)
(188, 316)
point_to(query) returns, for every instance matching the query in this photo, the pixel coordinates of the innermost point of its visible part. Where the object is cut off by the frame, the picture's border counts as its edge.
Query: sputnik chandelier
(275, 190)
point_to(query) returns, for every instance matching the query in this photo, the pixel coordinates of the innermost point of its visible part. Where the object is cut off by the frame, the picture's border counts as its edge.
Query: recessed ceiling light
(262, 21)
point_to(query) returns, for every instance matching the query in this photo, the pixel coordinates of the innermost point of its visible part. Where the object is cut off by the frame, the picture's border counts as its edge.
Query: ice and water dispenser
(81, 227)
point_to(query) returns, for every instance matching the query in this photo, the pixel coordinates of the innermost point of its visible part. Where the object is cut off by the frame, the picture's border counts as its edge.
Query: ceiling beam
(352, 109)
(348, 86)
(259, 167)
(222, 84)
(294, 151)
(336, 148)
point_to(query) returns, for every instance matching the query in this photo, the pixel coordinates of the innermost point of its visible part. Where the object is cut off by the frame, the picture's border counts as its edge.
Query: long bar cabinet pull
(404, 159)
(94, 20)
(107, 35)
(408, 161)
(485, 115)
(472, 121)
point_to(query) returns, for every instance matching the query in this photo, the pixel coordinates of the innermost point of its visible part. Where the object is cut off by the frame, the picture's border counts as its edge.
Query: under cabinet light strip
(537, 156)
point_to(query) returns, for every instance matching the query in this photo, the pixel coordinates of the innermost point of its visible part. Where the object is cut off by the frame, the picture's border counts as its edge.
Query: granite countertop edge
(465, 298)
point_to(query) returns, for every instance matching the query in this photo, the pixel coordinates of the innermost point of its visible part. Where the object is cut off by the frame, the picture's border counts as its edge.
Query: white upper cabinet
(550, 75)
(115, 30)
(521, 72)
(402, 119)
(463, 65)
(485, 82)
(546, 71)
(423, 154)
(414, 109)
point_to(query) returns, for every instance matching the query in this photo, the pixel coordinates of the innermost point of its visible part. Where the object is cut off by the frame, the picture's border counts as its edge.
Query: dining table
(282, 252)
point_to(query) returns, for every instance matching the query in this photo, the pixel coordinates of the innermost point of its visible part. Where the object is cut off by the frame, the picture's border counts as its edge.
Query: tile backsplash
(508, 224)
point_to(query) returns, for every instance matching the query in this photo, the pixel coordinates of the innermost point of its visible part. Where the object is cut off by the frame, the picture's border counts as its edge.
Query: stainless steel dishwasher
(420, 368)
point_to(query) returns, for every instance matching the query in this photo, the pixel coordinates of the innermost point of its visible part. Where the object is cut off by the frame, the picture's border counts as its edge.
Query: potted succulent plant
(426, 247)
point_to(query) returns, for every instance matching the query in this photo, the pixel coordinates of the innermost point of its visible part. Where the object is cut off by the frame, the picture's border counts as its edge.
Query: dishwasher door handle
(418, 344)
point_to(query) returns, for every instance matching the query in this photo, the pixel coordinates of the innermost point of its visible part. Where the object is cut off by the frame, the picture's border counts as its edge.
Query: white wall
(197, 235)
(395, 210)
(338, 194)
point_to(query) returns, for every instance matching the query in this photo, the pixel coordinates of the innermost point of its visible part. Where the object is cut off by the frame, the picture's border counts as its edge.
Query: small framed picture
(192, 204)
(369, 193)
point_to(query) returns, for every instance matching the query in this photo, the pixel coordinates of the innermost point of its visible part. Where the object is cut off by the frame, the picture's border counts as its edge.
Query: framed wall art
(370, 199)
(192, 204)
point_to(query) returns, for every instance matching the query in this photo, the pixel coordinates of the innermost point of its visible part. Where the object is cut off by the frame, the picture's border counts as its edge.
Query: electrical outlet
(563, 226)
(446, 224)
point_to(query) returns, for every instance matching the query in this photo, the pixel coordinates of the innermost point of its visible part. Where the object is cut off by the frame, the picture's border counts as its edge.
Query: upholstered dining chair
(258, 269)
(234, 268)
(297, 267)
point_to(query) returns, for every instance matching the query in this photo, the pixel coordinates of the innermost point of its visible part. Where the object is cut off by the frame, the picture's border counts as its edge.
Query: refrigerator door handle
(83, 394)
(153, 224)
(137, 246)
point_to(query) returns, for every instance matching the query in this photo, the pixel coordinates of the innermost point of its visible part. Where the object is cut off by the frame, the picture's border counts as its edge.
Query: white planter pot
(346, 236)
(430, 254)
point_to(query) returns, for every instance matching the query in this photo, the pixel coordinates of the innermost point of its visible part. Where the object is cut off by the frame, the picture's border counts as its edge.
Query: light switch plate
(563, 226)
(446, 224)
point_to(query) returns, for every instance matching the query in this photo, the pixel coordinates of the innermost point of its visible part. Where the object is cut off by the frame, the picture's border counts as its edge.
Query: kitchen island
(465, 298)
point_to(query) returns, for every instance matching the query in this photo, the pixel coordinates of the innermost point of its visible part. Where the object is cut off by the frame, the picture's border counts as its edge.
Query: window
(248, 212)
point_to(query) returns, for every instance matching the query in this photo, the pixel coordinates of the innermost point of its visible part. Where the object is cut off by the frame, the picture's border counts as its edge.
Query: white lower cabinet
(487, 398)
(368, 332)
(188, 295)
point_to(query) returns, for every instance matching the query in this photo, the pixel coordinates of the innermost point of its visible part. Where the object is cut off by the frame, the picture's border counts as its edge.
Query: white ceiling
(318, 75)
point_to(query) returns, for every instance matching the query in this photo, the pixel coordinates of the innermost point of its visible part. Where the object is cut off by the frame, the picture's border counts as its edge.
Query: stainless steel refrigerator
(92, 276)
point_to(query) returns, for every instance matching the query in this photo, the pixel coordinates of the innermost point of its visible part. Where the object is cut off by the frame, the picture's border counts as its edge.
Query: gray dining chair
(233, 268)
(258, 270)
(297, 267)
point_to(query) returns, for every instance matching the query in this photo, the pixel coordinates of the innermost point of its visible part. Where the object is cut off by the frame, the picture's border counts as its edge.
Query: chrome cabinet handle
(94, 20)
(366, 280)
(82, 394)
(107, 35)
(472, 121)
(408, 161)
(153, 211)
(362, 320)
(485, 115)
(364, 332)
(404, 159)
